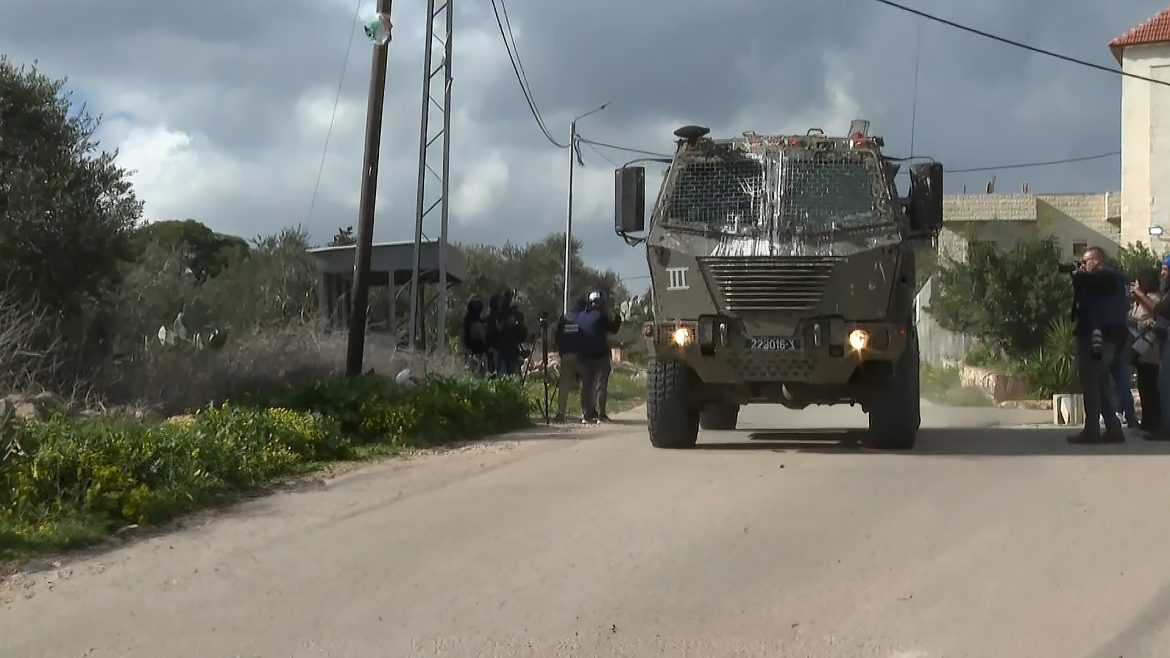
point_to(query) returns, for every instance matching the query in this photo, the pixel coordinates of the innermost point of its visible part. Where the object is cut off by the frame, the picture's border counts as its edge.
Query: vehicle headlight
(858, 339)
(682, 336)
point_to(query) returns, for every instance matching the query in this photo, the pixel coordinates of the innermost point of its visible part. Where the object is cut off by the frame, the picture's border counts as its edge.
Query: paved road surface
(989, 541)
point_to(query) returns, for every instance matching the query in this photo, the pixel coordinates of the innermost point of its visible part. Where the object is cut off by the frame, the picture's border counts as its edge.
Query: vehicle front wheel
(894, 411)
(671, 418)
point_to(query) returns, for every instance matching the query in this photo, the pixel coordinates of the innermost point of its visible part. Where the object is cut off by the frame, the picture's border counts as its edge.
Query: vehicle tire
(895, 412)
(670, 417)
(719, 416)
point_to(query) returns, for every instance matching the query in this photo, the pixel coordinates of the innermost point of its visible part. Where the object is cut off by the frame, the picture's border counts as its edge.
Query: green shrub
(1053, 369)
(66, 481)
(375, 409)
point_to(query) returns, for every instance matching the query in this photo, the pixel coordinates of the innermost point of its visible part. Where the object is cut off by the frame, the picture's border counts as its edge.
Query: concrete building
(1145, 131)
(1075, 220)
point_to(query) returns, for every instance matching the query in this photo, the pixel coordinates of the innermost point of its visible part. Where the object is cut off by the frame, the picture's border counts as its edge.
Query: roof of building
(1154, 30)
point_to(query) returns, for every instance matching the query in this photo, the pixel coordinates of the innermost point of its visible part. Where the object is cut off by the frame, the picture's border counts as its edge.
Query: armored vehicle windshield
(737, 188)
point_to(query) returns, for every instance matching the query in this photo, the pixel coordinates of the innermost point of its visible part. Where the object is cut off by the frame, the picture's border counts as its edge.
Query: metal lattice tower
(423, 211)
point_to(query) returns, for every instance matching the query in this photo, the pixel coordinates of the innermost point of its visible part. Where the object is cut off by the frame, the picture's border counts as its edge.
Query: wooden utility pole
(360, 293)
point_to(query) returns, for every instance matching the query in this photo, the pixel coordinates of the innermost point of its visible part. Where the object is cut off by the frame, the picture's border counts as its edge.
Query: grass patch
(627, 390)
(66, 483)
(941, 386)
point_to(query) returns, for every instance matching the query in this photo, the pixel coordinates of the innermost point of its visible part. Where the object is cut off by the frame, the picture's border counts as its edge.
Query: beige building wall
(1145, 144)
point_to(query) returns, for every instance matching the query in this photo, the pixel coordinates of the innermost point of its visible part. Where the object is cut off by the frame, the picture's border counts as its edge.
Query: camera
(1068, 268)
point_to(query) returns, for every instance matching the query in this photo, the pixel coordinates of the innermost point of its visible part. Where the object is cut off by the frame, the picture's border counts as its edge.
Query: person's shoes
(604, 418)
(589, 421)
(1085, 436)
(1132, 423)
(1113, 436)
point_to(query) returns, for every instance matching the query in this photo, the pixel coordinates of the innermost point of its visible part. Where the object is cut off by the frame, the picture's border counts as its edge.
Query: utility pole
(417, 309)
(360, 293)
(569, 214)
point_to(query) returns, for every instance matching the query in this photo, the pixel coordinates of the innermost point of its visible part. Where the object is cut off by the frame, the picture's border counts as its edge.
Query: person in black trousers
(1101, 307)
(1146, 295)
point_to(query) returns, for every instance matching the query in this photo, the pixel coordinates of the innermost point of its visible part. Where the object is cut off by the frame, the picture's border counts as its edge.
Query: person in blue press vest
(567, 337)
(1101, 312)
(595, 327)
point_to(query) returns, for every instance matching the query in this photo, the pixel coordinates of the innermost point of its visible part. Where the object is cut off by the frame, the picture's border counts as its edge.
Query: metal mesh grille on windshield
(717, 192)
(800, 189)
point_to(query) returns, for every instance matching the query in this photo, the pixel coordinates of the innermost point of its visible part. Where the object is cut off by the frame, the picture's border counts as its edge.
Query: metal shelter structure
(393, 265)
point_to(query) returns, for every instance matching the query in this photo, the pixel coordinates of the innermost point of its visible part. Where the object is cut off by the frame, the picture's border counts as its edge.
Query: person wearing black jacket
(507, 333)
(475, 336)
(1101, 311)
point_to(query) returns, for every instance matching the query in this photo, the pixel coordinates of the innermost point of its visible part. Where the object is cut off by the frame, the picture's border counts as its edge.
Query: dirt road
(989, 541)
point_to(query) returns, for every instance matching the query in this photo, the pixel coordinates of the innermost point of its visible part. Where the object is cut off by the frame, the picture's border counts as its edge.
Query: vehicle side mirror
(629, 200)
(926, 198)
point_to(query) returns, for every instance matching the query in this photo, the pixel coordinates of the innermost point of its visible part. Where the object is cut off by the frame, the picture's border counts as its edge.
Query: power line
(1023, 165)
(333, 115)
(519, 62)
(602, 155)
(622, 148)
(1017, 44)
(521, 78)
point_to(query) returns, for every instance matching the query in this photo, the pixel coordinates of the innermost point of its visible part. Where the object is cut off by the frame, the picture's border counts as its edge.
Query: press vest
(594, 342)
(569, 342)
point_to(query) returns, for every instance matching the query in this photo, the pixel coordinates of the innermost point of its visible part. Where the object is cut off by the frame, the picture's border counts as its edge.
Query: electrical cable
(520, 78)
(333, 115)
(1023, 165)
(519, 62)
(1018, 44)
(622, 148)
(602, 155)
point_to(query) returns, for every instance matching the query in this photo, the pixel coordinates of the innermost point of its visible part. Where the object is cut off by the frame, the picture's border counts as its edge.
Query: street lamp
(569, 214)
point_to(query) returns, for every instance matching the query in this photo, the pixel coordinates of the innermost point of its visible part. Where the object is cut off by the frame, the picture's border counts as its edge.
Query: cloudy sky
(222, 106)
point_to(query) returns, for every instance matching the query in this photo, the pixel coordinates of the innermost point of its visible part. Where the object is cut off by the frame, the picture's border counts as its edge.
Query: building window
(1079, 248)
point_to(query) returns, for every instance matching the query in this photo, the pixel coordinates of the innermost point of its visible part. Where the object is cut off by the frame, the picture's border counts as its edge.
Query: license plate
(774, 344)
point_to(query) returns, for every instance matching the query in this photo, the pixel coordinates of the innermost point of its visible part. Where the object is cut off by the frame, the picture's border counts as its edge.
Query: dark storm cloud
(232, 74)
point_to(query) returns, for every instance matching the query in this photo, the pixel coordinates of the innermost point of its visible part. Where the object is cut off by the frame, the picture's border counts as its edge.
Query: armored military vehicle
(784, 269)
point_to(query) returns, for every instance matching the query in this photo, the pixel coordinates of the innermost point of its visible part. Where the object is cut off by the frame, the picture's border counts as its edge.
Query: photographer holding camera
(1101, 311)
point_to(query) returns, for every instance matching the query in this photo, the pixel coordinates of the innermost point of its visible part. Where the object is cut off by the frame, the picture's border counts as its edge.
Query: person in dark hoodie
(493, 333)
(510, 334)
(475, 336)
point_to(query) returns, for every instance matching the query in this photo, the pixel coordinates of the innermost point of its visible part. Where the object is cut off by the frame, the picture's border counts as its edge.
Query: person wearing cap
(1101, 298)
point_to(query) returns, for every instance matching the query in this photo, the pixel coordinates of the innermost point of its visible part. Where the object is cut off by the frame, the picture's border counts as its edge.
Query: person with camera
(1101, 311)
(507, 333)
(1145, 349)
(1159, 310)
